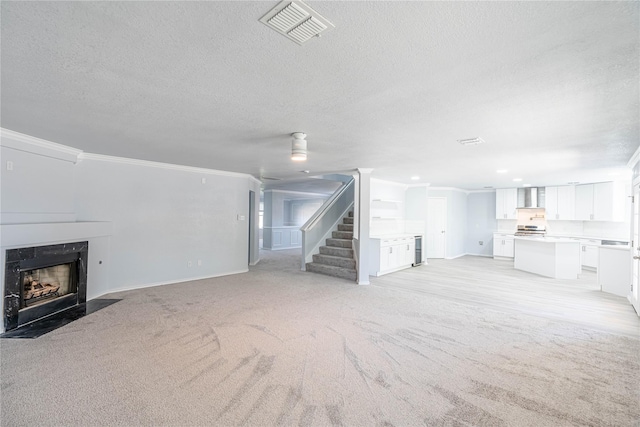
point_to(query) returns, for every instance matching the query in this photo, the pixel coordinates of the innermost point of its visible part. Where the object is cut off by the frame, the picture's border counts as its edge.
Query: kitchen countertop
(394, 236)
(567, 236)
(615, 247)
(545, 239)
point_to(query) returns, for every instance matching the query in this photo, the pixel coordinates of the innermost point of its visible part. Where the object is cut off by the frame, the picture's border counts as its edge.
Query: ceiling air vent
(296, 21)
(471, 141)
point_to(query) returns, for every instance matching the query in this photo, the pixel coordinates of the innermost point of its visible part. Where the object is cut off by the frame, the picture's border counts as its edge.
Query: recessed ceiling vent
(296, 21)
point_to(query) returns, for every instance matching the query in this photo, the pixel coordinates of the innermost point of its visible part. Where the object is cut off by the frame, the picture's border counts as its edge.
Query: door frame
(251, 232)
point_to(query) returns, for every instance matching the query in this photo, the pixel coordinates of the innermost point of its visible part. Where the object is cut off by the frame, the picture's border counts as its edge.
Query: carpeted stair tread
(340, 243)
(336, 258)
(336, 251)
(331, 270)
(336, 261)
(342, 234)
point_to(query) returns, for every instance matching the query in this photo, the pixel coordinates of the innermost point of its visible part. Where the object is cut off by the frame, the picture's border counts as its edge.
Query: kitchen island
(548, 256)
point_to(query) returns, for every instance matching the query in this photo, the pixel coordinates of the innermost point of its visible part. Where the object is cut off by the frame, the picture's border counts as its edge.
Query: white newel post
(364, 209)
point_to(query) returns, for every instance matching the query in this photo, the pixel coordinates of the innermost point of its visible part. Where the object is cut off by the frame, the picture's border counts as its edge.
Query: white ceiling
(552, 87)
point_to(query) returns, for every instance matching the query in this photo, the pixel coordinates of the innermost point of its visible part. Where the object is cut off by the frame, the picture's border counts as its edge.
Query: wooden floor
(495, 283)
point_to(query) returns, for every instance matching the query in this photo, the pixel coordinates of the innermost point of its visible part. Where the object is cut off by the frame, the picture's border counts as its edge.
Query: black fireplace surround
(24, 259)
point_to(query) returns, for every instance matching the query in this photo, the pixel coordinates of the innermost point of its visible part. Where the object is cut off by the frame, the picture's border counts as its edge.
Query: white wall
(165, 219)
(481, 223)
(387, 208)
(416, 211)
(284, 213)
(159, 217)
(456, 220)
(38, 188)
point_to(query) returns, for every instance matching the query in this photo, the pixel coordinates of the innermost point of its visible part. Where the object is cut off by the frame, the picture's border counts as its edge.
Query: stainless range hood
(531, 197)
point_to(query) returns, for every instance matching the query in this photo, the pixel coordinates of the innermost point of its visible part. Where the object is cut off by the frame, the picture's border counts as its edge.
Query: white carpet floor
(277, 346)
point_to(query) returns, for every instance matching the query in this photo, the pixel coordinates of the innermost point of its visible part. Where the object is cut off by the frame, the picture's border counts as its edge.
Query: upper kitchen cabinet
(604, 201)
(506, 203)
(560, 203)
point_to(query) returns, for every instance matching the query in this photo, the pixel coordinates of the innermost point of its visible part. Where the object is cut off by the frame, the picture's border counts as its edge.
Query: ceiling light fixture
(517, 179)
(299, 147)
(415, 178)
(471, 141)
(526, 185)
(502, 171)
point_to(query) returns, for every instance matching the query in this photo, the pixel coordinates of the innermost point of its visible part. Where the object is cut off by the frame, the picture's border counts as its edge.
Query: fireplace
(43, 280)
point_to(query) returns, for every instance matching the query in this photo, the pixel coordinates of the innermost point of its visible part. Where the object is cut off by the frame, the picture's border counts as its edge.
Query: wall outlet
(241, 218)
(204, 180)
(199, 262)
(189, 264)
(481, 243)
(9, 165)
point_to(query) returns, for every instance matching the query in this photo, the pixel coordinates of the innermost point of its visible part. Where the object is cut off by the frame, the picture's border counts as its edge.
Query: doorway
(436, 244)
(252, 226)
(635, 249)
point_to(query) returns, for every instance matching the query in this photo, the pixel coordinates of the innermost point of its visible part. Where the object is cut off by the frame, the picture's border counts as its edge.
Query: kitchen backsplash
(613, 230)
(532, 216)
(565, 228)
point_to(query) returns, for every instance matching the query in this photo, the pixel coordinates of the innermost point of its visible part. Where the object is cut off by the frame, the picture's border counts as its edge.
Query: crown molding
(31, 144)
(492, 190)
(382, 181)
(449, 189)
(634, 159)
(159, 165)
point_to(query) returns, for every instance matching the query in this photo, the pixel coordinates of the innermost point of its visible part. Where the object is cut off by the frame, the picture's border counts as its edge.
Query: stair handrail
(335, 206)
(313, 220)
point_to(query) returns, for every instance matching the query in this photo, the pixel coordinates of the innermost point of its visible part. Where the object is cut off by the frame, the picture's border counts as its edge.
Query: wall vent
(296, 21)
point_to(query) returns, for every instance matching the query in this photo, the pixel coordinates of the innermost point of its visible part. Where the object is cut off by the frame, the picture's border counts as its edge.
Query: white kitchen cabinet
(589, 253)
(503, 245)
(391, 254)
(560, 203)
(604, 201)
(506, 203)
(614, 270)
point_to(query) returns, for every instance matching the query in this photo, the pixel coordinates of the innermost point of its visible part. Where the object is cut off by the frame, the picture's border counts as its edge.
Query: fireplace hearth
(43, 280)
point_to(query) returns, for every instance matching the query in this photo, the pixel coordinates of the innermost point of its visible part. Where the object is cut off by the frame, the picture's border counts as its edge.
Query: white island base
(548, 257)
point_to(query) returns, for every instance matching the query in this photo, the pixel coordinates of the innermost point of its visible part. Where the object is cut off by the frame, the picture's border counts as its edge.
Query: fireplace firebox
(43, 280)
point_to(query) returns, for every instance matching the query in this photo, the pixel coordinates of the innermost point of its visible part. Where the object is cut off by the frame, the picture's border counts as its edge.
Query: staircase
(336, 258)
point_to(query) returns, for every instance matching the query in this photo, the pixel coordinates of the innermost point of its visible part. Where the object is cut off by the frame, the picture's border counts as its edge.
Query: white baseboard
(470, 254)
(483, 255)
(282, 249)
(170, 282)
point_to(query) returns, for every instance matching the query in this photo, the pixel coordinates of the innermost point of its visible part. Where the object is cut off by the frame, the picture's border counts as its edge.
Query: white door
(436, 243)
(635, 250)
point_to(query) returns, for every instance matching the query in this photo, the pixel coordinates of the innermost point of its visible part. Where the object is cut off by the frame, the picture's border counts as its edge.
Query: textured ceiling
(552, 87)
